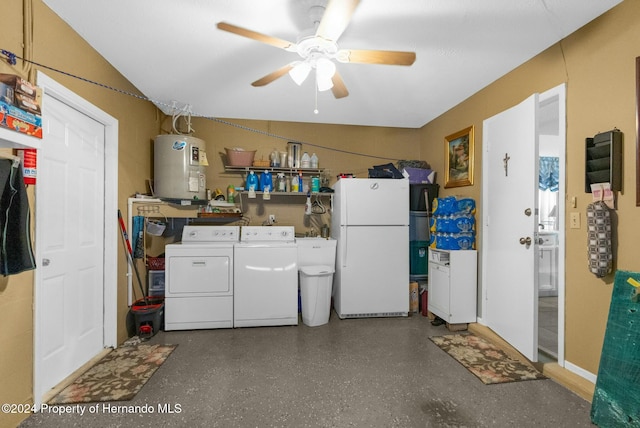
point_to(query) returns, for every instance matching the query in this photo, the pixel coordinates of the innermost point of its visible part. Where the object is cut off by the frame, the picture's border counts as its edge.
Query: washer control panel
(211, 234)
(267, 233)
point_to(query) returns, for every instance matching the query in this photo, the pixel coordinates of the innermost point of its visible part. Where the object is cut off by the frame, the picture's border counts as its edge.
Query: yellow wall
(598, 64)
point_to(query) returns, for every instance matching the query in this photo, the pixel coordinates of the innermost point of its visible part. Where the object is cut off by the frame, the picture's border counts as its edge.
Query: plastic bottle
(315, 184)
(266, 181)
(275, 158)
(300, 183)
(281, 182)
(295, 185)
(307, 205)
(314, 161)
(231, 193)
(305, 162)
(252, 181)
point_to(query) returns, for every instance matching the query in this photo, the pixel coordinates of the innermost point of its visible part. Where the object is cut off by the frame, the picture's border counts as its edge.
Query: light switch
(574, 202)
(574, 220)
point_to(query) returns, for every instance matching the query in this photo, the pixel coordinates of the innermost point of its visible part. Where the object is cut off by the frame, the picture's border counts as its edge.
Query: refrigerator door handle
(343, 210)
(343, 245)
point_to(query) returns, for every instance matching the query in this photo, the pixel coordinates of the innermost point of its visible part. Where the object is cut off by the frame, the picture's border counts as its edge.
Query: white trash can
(315, 293)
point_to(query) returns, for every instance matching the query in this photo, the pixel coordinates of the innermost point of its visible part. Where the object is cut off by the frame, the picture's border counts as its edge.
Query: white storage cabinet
(453, 289)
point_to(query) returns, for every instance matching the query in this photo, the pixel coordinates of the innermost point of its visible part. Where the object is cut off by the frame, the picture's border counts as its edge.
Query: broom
(125, 237)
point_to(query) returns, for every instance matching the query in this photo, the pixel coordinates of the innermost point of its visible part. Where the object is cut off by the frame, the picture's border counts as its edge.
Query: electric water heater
(178, 172)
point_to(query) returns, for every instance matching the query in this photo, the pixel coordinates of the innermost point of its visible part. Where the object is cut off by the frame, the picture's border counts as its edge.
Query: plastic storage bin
(418, 263)
(315, 293)
(418, 226)
(156, 283)
(421, 196)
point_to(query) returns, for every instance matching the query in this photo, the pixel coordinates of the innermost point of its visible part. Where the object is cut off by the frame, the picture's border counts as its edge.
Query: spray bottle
(307, 205)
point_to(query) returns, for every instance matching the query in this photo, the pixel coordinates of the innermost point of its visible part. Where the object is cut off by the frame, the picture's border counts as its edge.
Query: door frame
(52, 88)
(558, 92)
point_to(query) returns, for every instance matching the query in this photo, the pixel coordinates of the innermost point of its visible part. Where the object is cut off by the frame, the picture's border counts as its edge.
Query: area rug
(116, 377)
(489, 363)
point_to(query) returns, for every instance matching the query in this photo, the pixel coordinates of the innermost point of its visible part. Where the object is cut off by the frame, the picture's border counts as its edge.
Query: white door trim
(64, 95)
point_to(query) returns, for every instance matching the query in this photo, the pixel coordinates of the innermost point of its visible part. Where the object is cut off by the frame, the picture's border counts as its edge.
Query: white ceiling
(172, 51)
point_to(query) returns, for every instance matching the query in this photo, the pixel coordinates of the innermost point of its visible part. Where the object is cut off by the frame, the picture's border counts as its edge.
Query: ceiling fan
(318, 48)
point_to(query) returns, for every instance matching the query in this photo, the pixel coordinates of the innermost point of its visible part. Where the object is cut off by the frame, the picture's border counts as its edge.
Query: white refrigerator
(370, 221)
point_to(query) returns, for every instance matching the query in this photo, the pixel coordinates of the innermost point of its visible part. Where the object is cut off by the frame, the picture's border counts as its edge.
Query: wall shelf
(273, 169)
(276, 194)
(16, 140)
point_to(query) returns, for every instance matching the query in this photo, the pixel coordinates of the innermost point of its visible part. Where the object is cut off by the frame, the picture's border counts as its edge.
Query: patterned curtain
(549, 171)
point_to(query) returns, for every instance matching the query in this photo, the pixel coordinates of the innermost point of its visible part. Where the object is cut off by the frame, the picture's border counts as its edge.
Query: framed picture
(459, 158)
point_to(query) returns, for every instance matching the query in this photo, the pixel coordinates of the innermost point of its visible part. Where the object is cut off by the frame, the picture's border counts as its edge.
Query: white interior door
(510, 219)
(75, 296)
(71, 177)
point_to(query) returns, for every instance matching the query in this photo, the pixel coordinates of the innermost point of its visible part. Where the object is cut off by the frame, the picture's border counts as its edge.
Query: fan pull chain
(316, 87)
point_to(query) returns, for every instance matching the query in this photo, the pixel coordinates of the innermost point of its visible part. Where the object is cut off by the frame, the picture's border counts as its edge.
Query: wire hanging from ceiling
(11, 58)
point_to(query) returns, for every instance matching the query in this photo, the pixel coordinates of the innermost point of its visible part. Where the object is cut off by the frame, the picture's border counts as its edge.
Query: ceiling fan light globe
(300, 72)
(324, 84)
(325, 68)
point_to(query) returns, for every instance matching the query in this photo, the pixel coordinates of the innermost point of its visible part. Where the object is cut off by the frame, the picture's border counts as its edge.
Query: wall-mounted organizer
(603, 160)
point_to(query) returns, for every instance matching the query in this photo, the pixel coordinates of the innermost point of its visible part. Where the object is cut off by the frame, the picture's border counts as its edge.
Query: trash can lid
(316, 270)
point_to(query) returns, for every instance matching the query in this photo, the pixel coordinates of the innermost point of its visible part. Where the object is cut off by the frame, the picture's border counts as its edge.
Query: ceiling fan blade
(339, 89)
(273, 76)
(336, 18)
(376, 57)
(270, 40)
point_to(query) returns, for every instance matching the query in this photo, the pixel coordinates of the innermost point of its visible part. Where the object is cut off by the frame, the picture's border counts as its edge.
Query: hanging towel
(16, 253)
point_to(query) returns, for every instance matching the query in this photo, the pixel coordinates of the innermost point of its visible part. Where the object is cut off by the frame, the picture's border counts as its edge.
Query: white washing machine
(199, 278)
(266, 277)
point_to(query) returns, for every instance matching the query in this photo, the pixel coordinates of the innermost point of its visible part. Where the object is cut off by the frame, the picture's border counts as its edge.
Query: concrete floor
(360, 373)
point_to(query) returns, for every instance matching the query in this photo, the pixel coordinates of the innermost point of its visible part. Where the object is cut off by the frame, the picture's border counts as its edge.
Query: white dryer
(199, 278)
(266, 277)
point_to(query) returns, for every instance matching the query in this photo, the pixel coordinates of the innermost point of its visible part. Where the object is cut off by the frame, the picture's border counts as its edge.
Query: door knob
(525, 241)
(527, 212)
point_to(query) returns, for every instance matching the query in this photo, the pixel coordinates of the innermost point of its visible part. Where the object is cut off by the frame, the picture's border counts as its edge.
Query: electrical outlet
(574, 220)
(272, 218)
